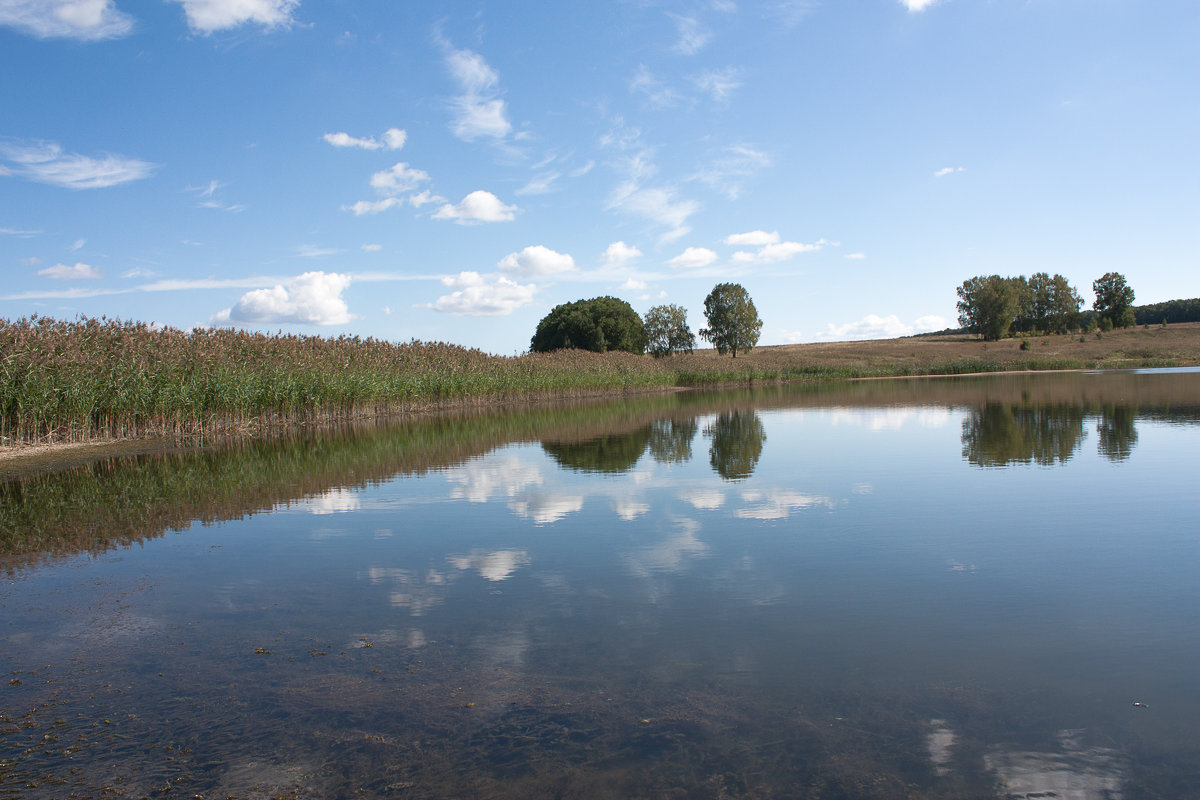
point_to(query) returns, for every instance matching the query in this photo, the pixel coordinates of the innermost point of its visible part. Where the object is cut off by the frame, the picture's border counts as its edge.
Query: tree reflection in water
(737, 443)
(1000, 434)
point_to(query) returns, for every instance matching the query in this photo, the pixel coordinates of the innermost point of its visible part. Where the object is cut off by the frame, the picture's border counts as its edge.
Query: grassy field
(91, 380)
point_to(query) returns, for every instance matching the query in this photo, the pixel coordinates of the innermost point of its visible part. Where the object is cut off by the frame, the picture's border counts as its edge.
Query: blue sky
(452, 171)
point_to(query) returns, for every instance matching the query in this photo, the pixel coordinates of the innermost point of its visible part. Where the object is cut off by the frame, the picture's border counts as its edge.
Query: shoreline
(24, 458)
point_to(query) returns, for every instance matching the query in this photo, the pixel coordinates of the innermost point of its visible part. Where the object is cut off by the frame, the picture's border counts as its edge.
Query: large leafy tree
(1047, 303)
(599, 325)
(1114, 299)
(733, 322)
(667, 331)
(988, 305)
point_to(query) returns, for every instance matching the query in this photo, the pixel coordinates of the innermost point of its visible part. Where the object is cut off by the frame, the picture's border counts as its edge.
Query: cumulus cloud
(752, 239)
(537, 260)
(477, 295)
(77, 272)
(873, 326)
(314, 298)
(45, 162)
(693, 257)
(364, 207)
(393, 139)
(944, 171)
(208, 16)
(478, 111)
(618, 254)
(397, 179)
(778, 251)
(478, 206)
(779, 503)
(917, 5)
(87, 20)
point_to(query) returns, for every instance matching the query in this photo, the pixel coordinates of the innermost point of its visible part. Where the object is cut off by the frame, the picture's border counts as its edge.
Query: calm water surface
(933, 589)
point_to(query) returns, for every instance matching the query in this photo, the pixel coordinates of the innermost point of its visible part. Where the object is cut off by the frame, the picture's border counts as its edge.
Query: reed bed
(94, 379)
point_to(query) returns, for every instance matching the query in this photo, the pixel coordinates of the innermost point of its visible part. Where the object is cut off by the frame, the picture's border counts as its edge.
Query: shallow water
(952, 588)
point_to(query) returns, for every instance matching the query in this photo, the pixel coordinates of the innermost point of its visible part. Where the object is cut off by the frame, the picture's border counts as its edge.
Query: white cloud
(657, 204)
(478, 206)
(944, 171)
(657, 93)
(618, 254)
(855, 256)
(476, 295)
(372, 248)
(545, 507)
(397, 179)
(207, 16)
(20, 234)
(778, 251)
(873, 326)
(77, 245)
(45, 162)
(314, 251)
(693, 257)
(731, 167)
(719, 84)
(496, 566)
(692, 35)
(540, 184)
(478, 111)
(63, 272)
(535, 261)
(752, 239)
(393, 139)
(917, 5)
(779, 503)
(88, 20)
(704, 499)
(373, 206)
(633, 285)
(314, 298)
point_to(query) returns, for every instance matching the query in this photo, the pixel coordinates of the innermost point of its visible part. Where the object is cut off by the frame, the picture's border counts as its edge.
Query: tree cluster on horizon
(996, 307)
(608, 323)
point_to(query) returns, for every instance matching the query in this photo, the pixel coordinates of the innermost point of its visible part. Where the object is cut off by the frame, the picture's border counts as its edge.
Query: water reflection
(1003, 434)
(737, 443)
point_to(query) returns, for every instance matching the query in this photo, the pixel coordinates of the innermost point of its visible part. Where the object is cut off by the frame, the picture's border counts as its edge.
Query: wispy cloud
(777, 251)
(209, 16)
(398, 178)
(45, 162)
(944, 171)
(855, 256)
(313, 251)
(752, 239)
(657, 93)
(718, 84)
(87, 20)
(18, 233)
(540, 184)
(207, 197)
(76, 272)
(693, 36)
(479, 110)
(658, 204)
(483, 296)
(478, 206)
(731, 167)
(392, 139)
(314, 298)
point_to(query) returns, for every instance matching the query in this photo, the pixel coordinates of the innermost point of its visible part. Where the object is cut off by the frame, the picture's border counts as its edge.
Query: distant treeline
(1169, 312)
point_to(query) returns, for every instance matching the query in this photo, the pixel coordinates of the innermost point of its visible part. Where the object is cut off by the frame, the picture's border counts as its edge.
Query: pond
(936, 588)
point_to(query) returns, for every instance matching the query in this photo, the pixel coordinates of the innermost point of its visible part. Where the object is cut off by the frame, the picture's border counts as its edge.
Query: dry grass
(90, 379)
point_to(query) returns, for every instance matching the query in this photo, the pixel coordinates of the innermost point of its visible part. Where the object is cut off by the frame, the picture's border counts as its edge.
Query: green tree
(667, 331)
(617, 452)
(599, 325)
(733, 322)
(1114, 299)
(1048, 304)
(988, 305)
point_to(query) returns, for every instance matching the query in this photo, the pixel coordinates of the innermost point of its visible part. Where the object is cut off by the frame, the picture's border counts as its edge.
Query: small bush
(1024, 344)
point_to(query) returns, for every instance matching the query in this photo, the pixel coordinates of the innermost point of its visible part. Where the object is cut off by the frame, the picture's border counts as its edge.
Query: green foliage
(737, 444)
(1171, 311)
(988, 305)
(733, 322)
(667, 331)
(600, 324)
(1114, 299)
